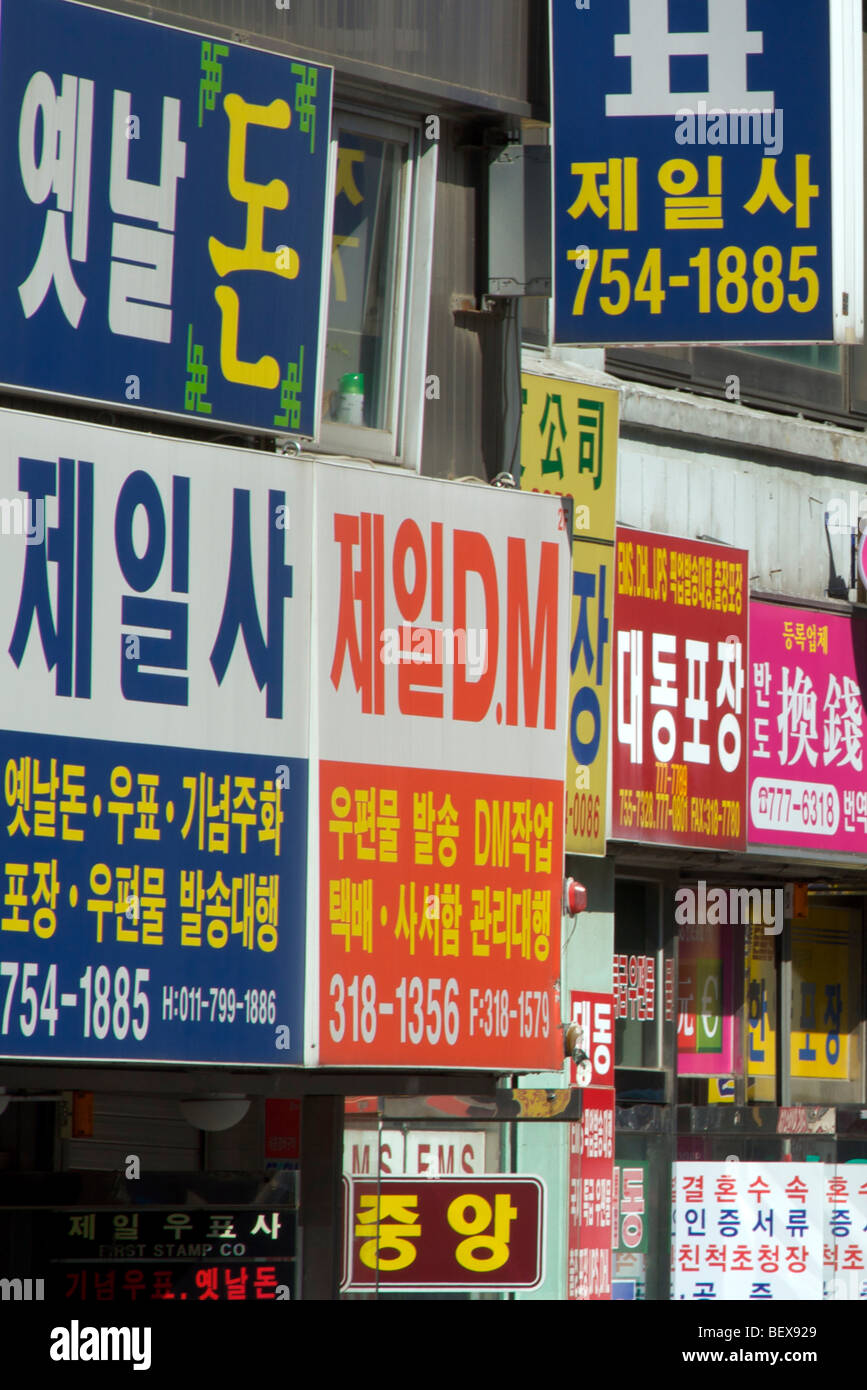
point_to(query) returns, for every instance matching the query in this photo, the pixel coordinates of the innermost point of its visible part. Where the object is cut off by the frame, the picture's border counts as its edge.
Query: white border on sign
(222, 34)
(847, 170)
(847, 192)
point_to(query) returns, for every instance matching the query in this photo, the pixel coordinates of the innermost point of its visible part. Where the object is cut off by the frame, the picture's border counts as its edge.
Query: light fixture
(574, 897)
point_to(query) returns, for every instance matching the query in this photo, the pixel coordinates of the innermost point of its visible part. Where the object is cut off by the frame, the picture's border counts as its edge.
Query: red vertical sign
(594, 1013)
(679, 703)
(591, 1184)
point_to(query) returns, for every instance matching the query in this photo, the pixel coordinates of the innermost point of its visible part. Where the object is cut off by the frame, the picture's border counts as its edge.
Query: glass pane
(823, 357)
(365, 266)
(636, 951)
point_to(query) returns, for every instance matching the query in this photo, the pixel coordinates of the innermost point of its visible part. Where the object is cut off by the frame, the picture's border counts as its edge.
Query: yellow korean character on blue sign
(169, 197)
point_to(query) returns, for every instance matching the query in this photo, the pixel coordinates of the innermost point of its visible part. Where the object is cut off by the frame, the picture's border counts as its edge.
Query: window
(637, 984)
(376, 334)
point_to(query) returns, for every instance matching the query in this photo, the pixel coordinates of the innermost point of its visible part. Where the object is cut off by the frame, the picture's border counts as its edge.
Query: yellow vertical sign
(761, 1013)
(821, 967)
(569, 447)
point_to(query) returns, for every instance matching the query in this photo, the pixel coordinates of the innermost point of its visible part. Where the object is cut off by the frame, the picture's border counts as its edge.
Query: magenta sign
(806, 768)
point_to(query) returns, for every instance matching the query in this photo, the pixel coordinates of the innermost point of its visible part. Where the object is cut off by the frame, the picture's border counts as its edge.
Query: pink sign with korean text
(806, 736)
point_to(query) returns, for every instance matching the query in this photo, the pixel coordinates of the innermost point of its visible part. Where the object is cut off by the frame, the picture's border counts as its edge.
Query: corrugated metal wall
(148, 1126)
(776, 512)
(153, 1128)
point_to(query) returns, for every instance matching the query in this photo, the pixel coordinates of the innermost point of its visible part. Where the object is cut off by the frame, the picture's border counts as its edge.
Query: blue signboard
(154, 725)
(159, 896)
(164, 215)
(700, 156)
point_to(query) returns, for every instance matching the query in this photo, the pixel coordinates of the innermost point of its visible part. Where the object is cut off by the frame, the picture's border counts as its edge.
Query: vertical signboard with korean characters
(807, 729)
(569, 446)
(705, 985)
(442, 629)
(590, 1233)
(748, 1231)
(845, 1224)
(154, 598)
(679, 707)
(707, 171)
(165, 199)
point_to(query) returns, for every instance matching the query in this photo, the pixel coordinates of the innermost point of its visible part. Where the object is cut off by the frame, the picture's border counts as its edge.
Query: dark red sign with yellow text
(420, 1234)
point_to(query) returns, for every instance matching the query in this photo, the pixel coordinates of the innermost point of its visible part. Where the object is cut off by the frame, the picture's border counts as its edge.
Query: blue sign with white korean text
(693, 172)
(164, 214)
(154, 726)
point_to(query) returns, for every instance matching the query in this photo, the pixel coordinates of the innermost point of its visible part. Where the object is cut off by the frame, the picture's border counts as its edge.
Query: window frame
(400, 442)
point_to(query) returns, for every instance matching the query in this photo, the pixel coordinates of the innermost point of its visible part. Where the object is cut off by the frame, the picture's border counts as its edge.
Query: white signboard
(442, 634)
(749, 1231)
(844, 1209)
(422, 1153)
(154, 695)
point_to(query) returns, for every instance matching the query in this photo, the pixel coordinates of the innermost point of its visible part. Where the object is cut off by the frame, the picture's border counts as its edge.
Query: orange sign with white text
(444, 640)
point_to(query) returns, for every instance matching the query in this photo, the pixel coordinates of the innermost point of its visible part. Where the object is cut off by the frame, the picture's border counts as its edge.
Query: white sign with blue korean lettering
(154, 700)
(748, 1231)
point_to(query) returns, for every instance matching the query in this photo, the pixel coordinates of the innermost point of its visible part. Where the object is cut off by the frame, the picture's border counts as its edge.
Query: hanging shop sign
(824, 963)
(442, 624)
(631, 1197)
(761, 1013)
(426, 1234)
(200, 1255)
(163, 246)
(594, 1013)
(569, 446)
(844, 1209)
(423, 1153)
(153, 748)
(591, 1220)
(705, 966)
(708, 182)
(679, 710)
